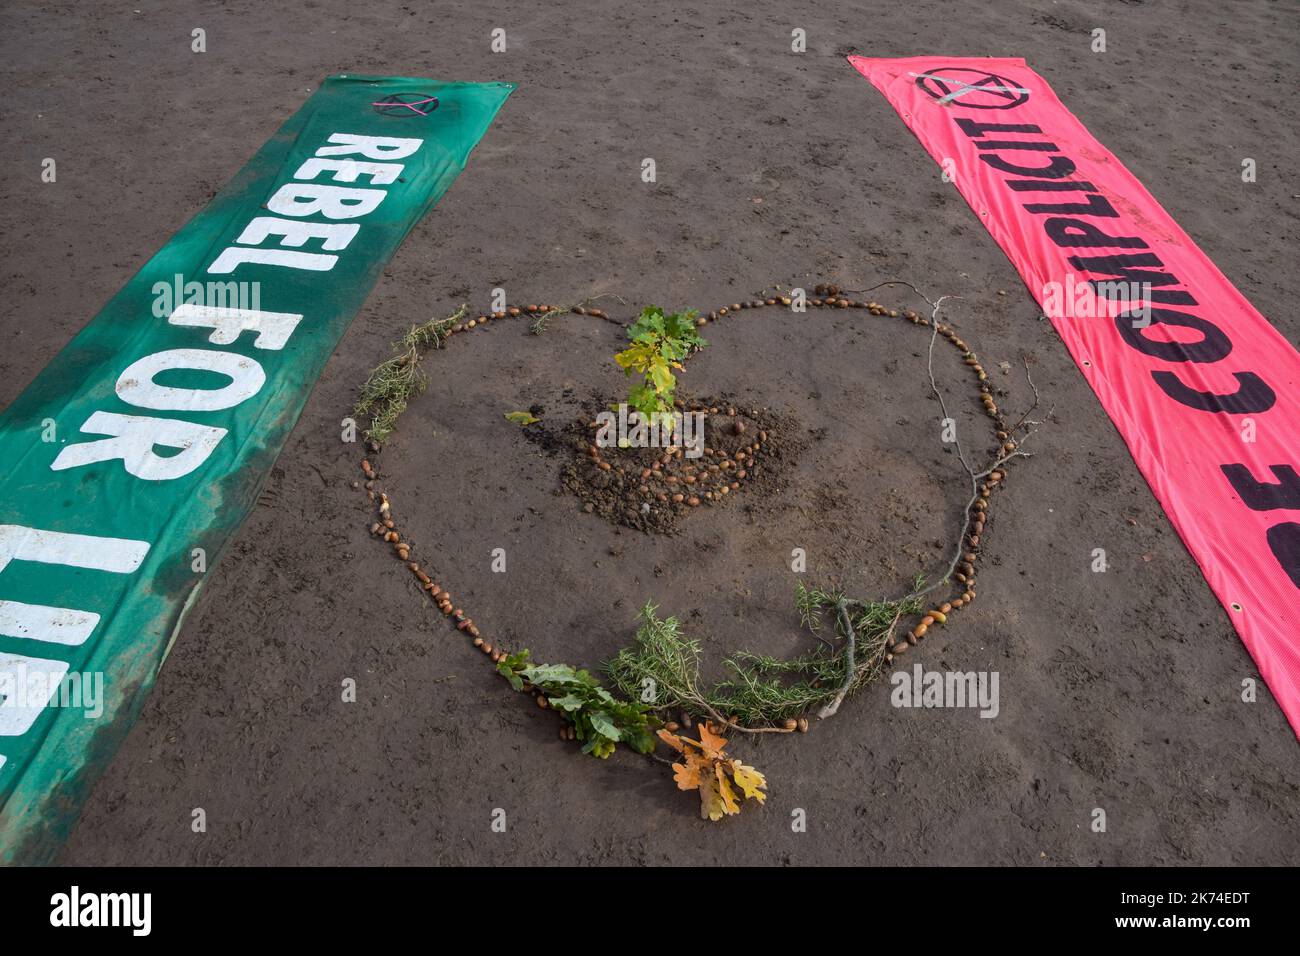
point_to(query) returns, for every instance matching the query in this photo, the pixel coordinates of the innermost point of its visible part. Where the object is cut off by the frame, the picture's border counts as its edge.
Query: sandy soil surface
(1118, 690)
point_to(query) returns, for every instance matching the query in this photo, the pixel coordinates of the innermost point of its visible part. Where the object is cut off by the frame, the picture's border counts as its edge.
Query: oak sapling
(660, 341)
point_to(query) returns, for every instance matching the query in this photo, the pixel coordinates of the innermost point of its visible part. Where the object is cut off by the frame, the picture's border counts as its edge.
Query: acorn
(791, 724)
(541, 701)
(802, 724)
(671, 726)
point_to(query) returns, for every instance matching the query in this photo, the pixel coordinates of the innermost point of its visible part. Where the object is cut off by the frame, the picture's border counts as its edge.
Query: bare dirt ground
(1118, 690)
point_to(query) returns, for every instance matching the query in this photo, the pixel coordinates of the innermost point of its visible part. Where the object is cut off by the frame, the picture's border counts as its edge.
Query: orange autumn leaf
(706, 768)
(688, 774)
(672, 740)
(711, 743)
(729, 803)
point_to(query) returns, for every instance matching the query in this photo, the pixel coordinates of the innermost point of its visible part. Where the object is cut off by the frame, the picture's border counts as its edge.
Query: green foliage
(600, 719)
(660, 342)
(759, 690)
(396, 381)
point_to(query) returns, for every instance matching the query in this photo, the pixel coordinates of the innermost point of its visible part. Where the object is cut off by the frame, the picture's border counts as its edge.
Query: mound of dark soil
(741, 453)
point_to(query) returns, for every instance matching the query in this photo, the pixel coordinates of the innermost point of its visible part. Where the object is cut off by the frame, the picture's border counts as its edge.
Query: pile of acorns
(676, 479)
(735, 469)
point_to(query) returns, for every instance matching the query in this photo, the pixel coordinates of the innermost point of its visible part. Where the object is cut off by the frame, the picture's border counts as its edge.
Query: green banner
(135, 454)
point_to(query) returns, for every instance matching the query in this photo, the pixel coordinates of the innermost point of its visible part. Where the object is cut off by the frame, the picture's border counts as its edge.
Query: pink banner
(1201, 386)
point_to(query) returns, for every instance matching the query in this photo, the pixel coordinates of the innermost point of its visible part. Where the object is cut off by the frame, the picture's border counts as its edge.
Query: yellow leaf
(638, 357)
(749, 780)
(660, 377)
(711, 807)
(521, 418)
(729, 803)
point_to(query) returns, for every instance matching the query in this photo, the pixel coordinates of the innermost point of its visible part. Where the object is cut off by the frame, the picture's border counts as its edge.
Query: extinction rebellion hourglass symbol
(976, 89)
(406, 105)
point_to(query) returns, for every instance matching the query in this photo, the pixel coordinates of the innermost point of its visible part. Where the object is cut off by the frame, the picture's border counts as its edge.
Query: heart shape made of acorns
(651, 488)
